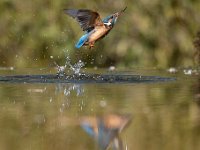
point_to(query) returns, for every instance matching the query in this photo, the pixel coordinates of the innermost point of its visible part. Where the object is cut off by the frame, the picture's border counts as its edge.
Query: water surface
(79, 116)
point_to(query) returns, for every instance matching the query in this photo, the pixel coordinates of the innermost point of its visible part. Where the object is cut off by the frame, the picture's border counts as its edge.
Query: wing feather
(87, 19)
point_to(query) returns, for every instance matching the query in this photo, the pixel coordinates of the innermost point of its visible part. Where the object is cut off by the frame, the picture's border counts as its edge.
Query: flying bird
(91, 23)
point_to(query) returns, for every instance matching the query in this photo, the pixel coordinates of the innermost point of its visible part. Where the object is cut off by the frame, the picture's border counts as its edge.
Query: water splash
(76, 68)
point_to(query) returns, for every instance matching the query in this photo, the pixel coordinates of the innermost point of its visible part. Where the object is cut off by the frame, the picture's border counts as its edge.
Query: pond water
(88, 116)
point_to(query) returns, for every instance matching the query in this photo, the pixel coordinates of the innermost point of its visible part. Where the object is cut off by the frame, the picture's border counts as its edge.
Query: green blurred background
(151, 33)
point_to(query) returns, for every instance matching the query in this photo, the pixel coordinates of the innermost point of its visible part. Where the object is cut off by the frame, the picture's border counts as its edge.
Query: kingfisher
(91, 23)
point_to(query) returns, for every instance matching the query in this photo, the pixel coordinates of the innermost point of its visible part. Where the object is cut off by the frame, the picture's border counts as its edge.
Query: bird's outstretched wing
(87, 19)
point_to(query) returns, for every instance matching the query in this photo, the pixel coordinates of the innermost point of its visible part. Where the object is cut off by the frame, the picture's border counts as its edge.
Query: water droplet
(111, 68)
(11, 68)
(172, 70)
(187, 71)
(103, 103)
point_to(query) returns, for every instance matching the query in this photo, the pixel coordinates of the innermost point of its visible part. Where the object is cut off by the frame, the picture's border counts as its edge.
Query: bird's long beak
(123, 9)
(119, 13)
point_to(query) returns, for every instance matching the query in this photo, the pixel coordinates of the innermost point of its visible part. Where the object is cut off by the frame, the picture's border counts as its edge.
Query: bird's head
(112, 19)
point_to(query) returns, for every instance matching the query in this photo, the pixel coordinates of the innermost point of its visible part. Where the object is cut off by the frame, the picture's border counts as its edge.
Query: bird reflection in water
(106, 129)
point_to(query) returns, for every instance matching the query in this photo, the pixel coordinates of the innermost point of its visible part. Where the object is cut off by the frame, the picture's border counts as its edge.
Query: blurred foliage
(197, 48)
(150, 33)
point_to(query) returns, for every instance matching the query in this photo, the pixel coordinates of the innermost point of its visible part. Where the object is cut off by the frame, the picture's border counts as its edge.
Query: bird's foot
(91, 45)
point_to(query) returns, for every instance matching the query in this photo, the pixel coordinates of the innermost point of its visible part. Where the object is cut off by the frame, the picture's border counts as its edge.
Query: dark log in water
(83, 78)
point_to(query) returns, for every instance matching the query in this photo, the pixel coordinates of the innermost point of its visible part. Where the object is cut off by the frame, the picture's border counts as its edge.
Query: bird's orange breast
(99, 32)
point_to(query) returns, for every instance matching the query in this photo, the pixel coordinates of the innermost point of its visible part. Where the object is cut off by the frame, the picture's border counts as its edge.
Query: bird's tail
(83, 39)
